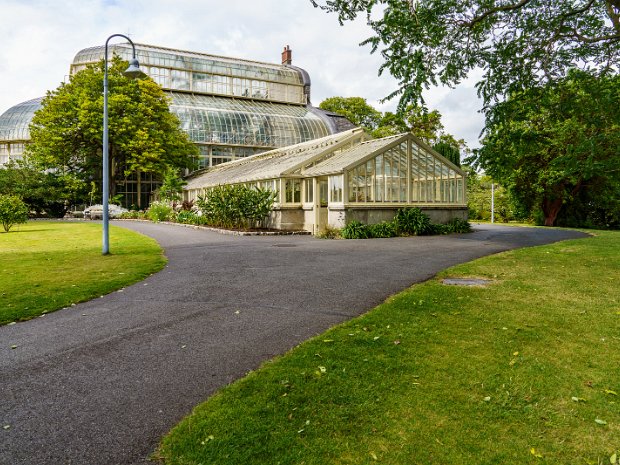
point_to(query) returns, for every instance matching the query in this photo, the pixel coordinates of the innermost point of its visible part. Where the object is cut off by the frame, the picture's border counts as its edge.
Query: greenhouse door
(320, 204)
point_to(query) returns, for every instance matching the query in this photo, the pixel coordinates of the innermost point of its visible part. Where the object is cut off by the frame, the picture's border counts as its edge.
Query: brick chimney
(287, 56)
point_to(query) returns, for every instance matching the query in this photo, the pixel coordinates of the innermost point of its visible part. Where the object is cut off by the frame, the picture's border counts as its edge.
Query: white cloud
(41, 37)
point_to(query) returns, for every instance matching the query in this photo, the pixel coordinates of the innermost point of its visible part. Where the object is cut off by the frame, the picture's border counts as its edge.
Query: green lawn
(525, 371)
(48, 265)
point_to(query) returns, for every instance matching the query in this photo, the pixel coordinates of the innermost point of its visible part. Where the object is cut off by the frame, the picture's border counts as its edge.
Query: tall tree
(144, 136)
(355, 109)
(518, 43)
(552, 144)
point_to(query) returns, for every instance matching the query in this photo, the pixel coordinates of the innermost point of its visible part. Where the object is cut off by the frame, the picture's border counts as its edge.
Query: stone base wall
(288, 219)
(374, 215)
(302, 219)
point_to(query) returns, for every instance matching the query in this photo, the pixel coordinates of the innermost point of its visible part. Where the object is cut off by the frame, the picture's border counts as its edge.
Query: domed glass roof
(15, 121)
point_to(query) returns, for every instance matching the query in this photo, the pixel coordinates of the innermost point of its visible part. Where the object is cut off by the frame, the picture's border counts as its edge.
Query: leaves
(13, 211)
(540, 144)
(238, 206)
(518, 44)
(144, 136)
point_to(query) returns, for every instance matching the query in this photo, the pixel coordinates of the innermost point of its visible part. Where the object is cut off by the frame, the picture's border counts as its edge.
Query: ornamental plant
(160, 211)
(407, 222)
(236, 206)
(411, 221)
(13, 211)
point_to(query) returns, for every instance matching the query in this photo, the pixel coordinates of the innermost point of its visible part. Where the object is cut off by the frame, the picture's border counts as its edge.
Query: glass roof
(354, 155)
(15, 121)
(193, 61)
(330, 155)
(221, 120)
(272, 164)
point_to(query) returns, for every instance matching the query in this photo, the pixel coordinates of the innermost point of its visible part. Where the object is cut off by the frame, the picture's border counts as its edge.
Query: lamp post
(133, 72)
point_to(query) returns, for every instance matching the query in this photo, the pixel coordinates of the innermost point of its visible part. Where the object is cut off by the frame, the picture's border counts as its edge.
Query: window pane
(335, 188)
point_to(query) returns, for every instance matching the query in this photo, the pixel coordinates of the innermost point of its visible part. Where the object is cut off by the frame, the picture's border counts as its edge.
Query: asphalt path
(100, 382)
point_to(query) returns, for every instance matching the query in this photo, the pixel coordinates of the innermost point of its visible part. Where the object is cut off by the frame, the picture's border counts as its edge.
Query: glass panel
(402, 152)
(356, 183)
(180, 80)
(335, 188)
(292, 191)
(270, 184)
(379, 180)
(323, 192)
(309, 190)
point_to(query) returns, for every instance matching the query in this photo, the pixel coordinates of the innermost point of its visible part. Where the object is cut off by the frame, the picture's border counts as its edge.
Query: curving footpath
(101, 382)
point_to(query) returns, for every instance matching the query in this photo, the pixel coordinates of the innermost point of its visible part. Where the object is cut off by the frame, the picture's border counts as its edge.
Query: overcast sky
(41, 37)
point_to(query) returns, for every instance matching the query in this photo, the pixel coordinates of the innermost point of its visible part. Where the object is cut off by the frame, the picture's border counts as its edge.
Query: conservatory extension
(343, 177)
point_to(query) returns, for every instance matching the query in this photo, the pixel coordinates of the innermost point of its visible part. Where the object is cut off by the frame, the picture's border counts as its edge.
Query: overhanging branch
(476, 19)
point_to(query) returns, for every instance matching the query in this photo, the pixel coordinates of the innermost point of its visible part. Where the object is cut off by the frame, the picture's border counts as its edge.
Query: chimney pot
(287, 56)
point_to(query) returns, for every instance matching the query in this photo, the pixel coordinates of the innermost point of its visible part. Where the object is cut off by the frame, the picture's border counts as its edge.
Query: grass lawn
(48, 265)
(524, 371)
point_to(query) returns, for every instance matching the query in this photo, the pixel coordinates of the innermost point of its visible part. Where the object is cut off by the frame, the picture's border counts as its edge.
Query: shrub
(356, 230)
(384, 229)
(132, 215)
(330, 232)
(236, 206)
(160, 211)
(411, 221)
(457, 225)
(13, 211)
(190, 217)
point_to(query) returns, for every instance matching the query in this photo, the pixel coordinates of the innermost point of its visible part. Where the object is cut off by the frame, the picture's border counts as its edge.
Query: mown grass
(524, 371)
(45, 266)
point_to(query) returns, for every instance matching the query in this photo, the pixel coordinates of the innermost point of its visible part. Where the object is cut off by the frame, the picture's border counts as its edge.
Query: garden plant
(13, 211)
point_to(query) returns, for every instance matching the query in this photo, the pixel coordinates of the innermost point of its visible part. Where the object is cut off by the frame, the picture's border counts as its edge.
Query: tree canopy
(355, 109)
(552, 145)
(144, 136)
(44, 192)
(517, 43)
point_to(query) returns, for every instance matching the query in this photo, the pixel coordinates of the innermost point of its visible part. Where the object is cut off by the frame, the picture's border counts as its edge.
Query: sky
(41, 37)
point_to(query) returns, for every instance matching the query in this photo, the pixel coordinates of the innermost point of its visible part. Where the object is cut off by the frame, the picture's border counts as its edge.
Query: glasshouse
(343, 177)
(231, 108)
(14, 129)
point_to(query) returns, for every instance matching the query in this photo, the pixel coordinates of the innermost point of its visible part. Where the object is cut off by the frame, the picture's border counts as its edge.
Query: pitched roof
(272, 164)
(353, 155)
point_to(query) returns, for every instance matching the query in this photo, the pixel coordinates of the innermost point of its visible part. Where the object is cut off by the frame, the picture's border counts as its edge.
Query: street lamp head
(134, 71)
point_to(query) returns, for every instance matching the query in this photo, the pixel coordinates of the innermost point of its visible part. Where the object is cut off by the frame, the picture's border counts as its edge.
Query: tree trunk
(550, 209)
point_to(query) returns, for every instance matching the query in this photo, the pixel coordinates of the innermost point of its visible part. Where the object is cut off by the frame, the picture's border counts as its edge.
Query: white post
(492, 203)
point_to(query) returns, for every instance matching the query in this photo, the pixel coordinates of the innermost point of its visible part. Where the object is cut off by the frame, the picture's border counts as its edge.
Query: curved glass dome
(15, 122)
(14, 129)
